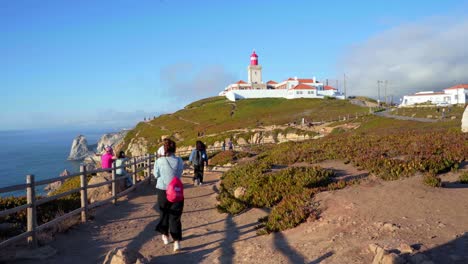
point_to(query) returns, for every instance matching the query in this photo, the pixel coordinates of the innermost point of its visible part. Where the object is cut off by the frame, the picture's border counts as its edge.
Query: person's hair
(121, 154)
(199, 145)
(169, 147)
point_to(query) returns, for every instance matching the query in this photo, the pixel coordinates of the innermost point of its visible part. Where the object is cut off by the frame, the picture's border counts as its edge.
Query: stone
(79, 149)
(464, 121)
(241, 141)
(390, 227)
(103, 192)
(124, 256)
(382, 256)
(405, 248)
(40, 253)
(239, 192)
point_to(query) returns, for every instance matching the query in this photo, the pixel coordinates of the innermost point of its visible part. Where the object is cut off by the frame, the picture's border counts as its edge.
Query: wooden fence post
(149, 168)
(31, 211)
(134, 175)
(84, 193)
(114, 201)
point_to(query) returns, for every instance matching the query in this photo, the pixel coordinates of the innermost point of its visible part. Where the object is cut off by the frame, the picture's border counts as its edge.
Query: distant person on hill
(161, 152)
(121, 160)
(165, 169)
(107, 158)
(223, 147)
(198, 158)
(230, 145)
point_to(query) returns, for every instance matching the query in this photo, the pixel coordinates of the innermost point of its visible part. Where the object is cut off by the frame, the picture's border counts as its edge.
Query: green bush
(228, 156)
(432, 180)
(287, 191)
(464, 178)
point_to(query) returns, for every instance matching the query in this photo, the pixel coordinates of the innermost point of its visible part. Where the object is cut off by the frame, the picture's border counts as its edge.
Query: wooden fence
(135, 165)
(138, 164)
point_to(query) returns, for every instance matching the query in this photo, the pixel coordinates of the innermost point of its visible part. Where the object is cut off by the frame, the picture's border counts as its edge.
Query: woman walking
(198, 158)
(165, 169)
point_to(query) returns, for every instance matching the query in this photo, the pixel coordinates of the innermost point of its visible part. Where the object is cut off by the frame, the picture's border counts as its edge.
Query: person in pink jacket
(107, 158)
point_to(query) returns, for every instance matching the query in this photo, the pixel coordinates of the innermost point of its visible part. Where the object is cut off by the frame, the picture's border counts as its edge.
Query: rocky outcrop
(103, 192)
(464, 123)
(111, 139)
(79, 149)
(124, 256)
(137, 147)
(51, 187)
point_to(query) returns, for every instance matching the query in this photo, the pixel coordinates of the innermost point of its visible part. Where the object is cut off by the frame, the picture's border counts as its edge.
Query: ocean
(41, 153)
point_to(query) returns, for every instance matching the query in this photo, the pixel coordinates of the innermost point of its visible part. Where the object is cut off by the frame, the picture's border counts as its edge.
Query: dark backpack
(198, 159)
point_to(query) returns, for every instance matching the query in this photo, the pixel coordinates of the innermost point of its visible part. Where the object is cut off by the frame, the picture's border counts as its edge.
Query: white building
(457, 94)
(290, 88)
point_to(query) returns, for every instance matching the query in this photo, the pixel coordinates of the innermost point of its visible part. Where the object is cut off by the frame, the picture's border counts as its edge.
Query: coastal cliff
(79, 149)
(111, 139)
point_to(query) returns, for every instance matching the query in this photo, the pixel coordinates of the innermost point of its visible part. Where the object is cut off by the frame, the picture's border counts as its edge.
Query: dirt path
(432, 221)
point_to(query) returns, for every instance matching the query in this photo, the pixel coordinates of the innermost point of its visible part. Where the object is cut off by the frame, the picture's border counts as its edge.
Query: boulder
(464, 122)
(51, 187)
(239, 192)
(124, 255)
(103, 192)
(382, 256)
(111, 139)
(241, 141)
(79, 149)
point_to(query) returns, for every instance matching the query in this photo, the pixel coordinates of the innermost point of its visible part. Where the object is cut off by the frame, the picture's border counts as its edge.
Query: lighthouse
(254, 72)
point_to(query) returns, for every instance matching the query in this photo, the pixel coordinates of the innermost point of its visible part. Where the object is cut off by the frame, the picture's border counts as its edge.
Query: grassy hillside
(216, 114)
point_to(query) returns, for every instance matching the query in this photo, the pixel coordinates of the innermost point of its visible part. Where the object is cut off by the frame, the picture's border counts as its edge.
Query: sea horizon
(40, 152)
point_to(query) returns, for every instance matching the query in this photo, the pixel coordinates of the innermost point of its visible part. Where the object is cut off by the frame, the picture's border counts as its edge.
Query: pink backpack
(175, 190)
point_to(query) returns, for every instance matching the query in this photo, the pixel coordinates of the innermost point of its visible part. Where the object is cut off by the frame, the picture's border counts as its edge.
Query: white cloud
(428, 55)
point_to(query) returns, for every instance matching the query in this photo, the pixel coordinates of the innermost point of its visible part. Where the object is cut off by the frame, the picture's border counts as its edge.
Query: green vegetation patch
(228, 156)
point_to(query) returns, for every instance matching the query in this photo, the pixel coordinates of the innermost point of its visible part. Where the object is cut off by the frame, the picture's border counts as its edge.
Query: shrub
(228, 156)
(464, 178)
(432, 180)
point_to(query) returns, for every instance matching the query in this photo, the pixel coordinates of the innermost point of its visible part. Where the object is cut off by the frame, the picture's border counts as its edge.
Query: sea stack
(79, 149)
(464, 123)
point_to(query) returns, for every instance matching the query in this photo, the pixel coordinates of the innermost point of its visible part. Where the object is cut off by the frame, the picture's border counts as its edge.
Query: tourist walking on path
(107, 158)
(230, 145)
(198, 158)
(121, 160)
(165, 169)
(223, 147)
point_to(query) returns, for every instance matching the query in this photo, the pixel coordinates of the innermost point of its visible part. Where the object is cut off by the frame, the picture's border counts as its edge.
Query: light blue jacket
(165, 168)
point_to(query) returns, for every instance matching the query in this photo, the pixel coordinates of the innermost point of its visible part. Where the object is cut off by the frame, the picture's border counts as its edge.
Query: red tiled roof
(302, 86)
(301, 80)
(241, 82)
(271, 82)
(328, 87)
(458, 86)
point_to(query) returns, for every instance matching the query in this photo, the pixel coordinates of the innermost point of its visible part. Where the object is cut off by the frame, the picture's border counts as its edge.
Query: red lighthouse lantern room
(253, 59)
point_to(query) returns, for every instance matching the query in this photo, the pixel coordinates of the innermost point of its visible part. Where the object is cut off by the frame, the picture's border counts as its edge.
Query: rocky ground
(418, 223)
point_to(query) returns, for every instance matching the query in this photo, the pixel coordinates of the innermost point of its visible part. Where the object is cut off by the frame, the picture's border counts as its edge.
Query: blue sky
(111, 63)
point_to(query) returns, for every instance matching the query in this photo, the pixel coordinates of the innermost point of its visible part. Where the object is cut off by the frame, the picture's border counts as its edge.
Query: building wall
(245, 94)
(254, 73)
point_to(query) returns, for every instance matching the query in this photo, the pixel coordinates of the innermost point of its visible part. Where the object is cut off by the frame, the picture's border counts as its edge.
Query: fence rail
(136, 165)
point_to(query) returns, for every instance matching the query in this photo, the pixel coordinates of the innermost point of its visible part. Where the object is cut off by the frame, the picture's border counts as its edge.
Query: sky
(109, 64)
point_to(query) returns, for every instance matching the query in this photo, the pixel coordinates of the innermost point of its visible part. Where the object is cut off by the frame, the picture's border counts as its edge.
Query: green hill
(213, 116)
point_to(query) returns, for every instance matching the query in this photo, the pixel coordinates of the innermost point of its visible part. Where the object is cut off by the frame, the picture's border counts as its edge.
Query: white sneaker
(165, 239)
(200, 184)
(196, 182)
(176, 246)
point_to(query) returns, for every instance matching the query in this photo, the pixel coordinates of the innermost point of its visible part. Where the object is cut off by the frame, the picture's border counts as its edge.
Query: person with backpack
(121, 160)
(198, 158)
(169, 188)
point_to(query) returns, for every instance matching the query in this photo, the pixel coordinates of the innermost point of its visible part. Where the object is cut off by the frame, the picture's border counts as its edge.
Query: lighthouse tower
(254, 72)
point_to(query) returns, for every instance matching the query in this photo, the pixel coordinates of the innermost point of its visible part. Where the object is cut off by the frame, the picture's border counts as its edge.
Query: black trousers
(171, 214)
(198, 172)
